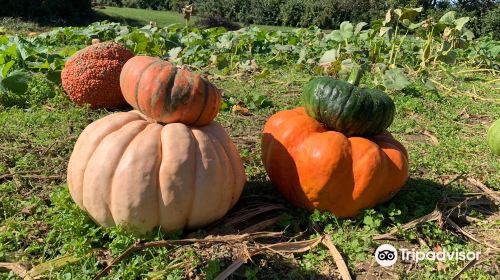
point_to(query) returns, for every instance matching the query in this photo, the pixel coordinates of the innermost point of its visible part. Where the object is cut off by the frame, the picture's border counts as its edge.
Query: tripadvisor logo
(387, 255)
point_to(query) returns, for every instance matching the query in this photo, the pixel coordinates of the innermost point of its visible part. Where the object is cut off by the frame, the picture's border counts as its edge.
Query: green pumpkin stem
(356, 74)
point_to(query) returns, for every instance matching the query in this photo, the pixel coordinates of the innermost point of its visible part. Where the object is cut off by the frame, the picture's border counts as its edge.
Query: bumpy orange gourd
(320, 169)
(163, 92)
(92, 75)
(130, 171)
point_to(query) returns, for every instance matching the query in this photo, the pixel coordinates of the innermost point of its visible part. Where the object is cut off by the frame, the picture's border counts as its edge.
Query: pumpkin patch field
(183, 153)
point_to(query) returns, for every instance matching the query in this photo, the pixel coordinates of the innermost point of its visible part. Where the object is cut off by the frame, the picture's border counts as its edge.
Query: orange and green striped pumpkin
(168, 94)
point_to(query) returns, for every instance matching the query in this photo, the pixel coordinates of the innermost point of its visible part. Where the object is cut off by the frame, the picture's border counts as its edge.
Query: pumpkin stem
(356, 74)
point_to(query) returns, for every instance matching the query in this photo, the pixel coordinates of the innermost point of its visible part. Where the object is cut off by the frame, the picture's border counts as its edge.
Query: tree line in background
(328, 14)
(48, 11)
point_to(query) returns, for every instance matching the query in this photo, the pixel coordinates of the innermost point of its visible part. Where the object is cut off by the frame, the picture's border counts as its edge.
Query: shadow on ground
(262, 208)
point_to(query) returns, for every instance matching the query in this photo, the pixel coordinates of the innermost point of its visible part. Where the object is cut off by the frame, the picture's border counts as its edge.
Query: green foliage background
(328, 14)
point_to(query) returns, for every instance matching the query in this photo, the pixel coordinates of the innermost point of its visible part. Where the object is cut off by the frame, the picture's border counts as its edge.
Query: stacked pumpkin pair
(167, 163)
(334, 153)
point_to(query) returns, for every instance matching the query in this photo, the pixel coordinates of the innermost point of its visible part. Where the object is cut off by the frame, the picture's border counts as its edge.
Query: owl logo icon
(386, 255)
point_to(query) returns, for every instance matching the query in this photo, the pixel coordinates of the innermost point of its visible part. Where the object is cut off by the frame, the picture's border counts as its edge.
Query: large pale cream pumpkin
(140, 174)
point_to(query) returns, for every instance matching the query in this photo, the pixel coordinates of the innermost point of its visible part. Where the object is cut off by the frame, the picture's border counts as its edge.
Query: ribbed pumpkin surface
(168, 94)
(129, 171)
(346, 108)
(320, 169)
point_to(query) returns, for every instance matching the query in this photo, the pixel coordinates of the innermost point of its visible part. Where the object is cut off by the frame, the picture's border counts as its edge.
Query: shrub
(114, 3)
(265, 11)
(491, 23)
(291, 12)
(323, 14)
(216, 21)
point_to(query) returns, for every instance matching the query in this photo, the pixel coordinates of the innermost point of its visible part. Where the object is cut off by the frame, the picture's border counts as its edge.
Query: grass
(39, 221)
(141, 17)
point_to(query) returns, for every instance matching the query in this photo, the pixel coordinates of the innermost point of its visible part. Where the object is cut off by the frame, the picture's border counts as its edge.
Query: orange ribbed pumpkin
(320, 169)
(167, 94)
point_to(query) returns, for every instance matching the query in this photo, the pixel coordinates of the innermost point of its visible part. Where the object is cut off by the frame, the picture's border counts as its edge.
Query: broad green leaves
(6, 67)
(400, 15)
(459, 23)
(395, 79)
(18, 54)
(16, 81)
(329, 56)
(449, 20)
(407, 13)
(396, 42)
(346, 30)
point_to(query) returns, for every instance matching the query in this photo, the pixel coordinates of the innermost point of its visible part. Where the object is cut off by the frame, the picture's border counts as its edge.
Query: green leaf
(398, 12)
(359, 26)
(3, 40)
(409, 13)
(11, 51)
(494, 50)
(6, 67)
(395, 79)
(363, 36)
(24, 52)
(448, 58)
(54, 76)
(328, 56)
(414, 26)
(56, 63)
(302, 55)
(438, 28)
(468, 35)
(368, 220)
(140, 40)
(459, 23)
(376, 25)
(16, 81)
(346, 30)
(335, 35)
(448, 18)
(173, 54)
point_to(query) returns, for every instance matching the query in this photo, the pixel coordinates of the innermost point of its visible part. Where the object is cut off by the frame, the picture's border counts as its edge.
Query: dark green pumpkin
(346, 108)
